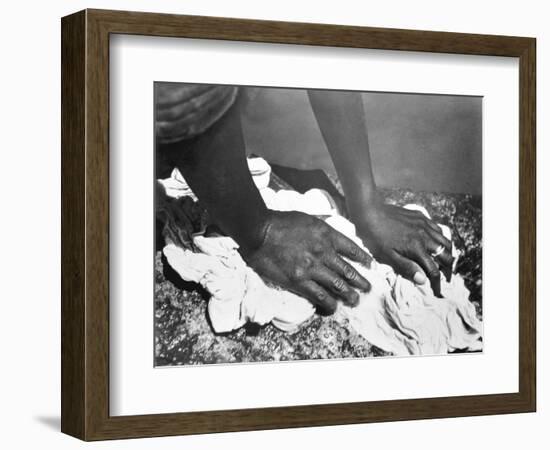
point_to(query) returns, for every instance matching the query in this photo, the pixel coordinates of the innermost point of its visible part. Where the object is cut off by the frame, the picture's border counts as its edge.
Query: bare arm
(341, 119)
(404, 239)
(294, 250)
(214, 165)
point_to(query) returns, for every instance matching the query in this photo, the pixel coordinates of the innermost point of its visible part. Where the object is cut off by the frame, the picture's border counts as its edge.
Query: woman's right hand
(305, 255)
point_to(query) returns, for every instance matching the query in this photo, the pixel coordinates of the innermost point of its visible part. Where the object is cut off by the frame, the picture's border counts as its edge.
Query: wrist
(250, 234)
(364, 205)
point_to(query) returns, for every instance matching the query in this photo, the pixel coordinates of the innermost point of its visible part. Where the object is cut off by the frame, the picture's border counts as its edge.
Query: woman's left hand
(406, 240)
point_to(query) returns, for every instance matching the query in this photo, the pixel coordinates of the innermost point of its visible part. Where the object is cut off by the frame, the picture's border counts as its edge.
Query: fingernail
(419, 278)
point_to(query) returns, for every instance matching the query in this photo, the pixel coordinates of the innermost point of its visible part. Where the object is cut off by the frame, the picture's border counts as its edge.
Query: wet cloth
(395, 315)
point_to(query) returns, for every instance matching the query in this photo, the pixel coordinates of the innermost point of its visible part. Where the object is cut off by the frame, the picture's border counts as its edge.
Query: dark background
(418, 141)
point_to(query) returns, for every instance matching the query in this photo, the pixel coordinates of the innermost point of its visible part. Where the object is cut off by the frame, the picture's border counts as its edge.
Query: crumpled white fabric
(406, 319)
(239, 295)
(395, 315)
(176, 186)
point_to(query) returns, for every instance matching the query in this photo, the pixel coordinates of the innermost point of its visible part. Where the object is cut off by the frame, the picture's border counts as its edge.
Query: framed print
(270, 224)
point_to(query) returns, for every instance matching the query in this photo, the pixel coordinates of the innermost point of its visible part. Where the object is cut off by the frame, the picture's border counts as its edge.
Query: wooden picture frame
(85, 224)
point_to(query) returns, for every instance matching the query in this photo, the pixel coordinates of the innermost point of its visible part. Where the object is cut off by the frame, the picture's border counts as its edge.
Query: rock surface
(183, 335)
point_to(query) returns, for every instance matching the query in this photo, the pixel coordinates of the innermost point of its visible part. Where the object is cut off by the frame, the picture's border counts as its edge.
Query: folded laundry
(395, 315)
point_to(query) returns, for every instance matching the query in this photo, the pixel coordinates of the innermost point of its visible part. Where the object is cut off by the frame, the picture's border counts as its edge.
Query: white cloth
(395, 315)
(238, 293)
(176, 186)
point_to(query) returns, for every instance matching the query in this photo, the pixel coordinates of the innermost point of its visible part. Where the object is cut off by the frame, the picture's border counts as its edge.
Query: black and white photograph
(298, 224)
(249, 225)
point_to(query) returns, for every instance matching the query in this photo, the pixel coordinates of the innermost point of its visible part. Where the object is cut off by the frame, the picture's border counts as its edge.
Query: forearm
(341, 119)
(405, 240)
(215, 167)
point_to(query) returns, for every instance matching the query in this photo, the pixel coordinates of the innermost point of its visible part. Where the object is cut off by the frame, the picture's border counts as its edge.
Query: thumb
(409, 269)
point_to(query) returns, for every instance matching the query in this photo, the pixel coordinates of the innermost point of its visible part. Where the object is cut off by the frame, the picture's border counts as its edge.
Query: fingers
(417, 272)
(445, 259)
(419, 218)
(437, 236)
(434, 227)
(336, 285)
(347, 272)
(319, 296)
(408, 268)
(430, 267)
(346, 247)
(433, 238)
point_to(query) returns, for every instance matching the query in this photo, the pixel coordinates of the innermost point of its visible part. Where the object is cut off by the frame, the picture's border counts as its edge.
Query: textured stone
(183, 334)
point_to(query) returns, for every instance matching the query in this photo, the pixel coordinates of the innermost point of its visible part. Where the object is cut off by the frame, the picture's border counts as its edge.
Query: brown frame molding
(85, 224)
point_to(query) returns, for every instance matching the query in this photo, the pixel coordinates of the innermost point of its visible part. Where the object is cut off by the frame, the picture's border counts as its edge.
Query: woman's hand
(406, 240)
(305, 255)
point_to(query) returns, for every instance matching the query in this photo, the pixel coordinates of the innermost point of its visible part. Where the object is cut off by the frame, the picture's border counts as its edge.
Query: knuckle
(307, 263)
(339, 284)
(420, 242)
(433, 273)
(326, 233)
(298, 273)
(321, 296)
(409, 268)
(333, 260)
(415, 242)
(356, 251)
(317, 247)
(410, 234)
(349, 272)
